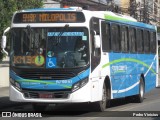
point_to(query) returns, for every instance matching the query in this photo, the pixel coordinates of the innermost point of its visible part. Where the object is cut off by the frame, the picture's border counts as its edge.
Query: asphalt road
(120, 109)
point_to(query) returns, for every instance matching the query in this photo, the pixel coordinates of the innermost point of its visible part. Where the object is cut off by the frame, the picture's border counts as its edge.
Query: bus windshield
(49, 47)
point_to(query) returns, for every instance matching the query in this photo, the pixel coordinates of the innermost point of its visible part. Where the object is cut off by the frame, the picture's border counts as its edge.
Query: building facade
(92, 4)
(51, 4)
(122, 3)
(148, 11)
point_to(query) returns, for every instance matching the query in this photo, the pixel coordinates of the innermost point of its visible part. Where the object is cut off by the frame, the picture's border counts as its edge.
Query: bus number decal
(63, 81)
(37, 60)
(121, 68)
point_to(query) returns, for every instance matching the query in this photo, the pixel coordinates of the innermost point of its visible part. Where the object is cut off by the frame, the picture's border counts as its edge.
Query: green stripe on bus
(110, 17)
(128, 60)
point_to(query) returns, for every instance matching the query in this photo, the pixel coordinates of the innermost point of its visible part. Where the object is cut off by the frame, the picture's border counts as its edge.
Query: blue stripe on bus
(138, 24)
(48, 9)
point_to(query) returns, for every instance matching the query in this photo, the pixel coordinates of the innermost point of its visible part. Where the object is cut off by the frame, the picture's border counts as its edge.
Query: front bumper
(81, 95)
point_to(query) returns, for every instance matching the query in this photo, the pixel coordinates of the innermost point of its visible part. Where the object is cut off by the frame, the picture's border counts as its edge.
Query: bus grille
(36, 94)
(45, 74)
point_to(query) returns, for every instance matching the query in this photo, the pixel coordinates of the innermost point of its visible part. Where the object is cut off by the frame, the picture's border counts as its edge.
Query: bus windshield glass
(49, 47)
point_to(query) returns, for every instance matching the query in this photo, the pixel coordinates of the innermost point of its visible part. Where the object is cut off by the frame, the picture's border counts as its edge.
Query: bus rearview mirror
(3, 42)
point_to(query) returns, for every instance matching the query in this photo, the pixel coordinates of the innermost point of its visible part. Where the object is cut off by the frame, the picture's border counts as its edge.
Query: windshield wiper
(57, 38)
(61, 33)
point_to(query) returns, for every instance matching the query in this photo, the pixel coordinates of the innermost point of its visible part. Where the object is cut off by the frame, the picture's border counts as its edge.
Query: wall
(4, 73)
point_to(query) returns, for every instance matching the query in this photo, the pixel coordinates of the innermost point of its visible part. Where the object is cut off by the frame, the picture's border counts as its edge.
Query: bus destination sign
(49, 17)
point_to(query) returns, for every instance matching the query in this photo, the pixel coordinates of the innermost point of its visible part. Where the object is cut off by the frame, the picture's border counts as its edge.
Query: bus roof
(106, 15)
(124, 19)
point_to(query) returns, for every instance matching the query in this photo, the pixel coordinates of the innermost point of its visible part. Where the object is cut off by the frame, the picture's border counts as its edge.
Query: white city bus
(71, 55)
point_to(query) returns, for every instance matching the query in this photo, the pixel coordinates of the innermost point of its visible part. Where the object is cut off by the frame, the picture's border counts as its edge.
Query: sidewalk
(4, 92)
(5, 62)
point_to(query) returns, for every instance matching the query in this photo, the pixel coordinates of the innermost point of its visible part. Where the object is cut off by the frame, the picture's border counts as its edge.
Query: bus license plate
(46, 95)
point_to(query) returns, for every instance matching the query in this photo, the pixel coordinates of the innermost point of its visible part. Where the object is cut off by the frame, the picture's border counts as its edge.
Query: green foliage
(8, 7)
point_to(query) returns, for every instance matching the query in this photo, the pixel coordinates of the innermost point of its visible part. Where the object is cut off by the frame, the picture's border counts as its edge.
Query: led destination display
(49, 17)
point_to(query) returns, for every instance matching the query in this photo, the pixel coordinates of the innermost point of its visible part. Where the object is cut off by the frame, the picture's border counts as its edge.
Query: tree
(8, 7)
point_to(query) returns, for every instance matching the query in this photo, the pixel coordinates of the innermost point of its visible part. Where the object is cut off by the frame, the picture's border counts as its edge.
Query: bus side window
(153, 42)
(96, 53)
(140, 45)
(124, 39)
(132, 40)
(115, 36)
(146, 41)
(106, 42)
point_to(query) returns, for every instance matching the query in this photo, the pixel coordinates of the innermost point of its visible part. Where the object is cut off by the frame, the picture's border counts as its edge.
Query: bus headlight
(79, 84)
(18, 86)
(15, 84)
(12, 81)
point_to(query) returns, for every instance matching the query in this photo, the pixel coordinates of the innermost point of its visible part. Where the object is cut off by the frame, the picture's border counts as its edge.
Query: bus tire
(140, 96)
(39, 107)
(100, 106)
(108, 96)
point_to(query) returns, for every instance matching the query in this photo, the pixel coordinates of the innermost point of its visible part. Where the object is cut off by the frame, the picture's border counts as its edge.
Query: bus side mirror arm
(6, 30)
(4, 41)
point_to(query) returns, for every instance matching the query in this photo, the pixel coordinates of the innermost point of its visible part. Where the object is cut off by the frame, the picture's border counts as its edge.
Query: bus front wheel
(101, 105)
